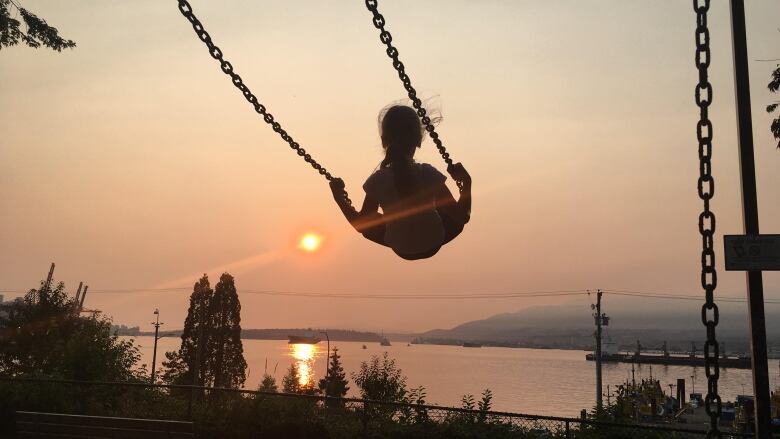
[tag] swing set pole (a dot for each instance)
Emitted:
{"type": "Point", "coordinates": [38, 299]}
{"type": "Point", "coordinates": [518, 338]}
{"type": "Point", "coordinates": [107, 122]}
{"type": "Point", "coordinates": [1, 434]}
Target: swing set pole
{"type": "Point", "coordinates": [747, 167]}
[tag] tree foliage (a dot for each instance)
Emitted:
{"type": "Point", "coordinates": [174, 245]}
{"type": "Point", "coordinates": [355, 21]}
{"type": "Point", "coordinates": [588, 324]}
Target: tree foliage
{"type": "Point", "coordinates": [180, 366]}
{"type": "Point", "coordinates": [381, 380]}
{"type": "Point", "coordinates": [773, 86]}
{"type": "Point", "coordinates": [268, 384]}
{"type": "Point", "coordinates": [35, 32]}
{"type": "Point", "coordinates": [335, 383]}
{"type": "Point", "coordinates": [43, 335]}
{"type": "Point", "coordinates": [291, 382]}
{"type": "Point", "coordinates": [229, 365]}
{"type": "Point", "coordinates": [213, 323]}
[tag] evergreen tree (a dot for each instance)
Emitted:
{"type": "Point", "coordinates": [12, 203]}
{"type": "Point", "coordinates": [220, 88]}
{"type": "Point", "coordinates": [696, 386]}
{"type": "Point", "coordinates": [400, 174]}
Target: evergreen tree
{"type": "Point", "coordinates": [226, 352]}
{"type": "Point", "coordinates": [335, 384]}
{"type": "Point", "coordinates": [268, 384]}
{"type": "Point", "coordinates": [291, 383]}
{"type": "Point", "coordinates": [180, 366]}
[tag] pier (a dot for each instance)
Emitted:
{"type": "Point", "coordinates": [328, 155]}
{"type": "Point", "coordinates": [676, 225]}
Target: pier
{"type": "Point", "coordinates": [664, 357]}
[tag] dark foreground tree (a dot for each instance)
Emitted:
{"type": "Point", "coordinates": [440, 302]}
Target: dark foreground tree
{"type": "Point", "coordinates": [180, 366]}
{"type": "Point", "coordinates": [35, 32]}
{"type": "Point", "coordinates": [335, 384]}
{"type": "Point", "coordinates": [268, 384]}
{"type": "Point", "coordinates": [43, 335]}
{"type": "Point", "coordinates": [381, 380]}
{"type": "Point", "coordinates": [291, 382]}
{"type": "Point", "coordinates": [226, 353]}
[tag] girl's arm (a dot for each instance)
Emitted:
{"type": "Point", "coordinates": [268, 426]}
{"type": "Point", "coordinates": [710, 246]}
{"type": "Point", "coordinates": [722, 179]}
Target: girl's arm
{"type": "Point", "coordinates": [459, 210]}
{"type": "Point", "coordinates": [369, 222]}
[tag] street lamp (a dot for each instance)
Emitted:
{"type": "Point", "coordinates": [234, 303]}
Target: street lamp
{"type": "Point", "coordinates": [157, 325]}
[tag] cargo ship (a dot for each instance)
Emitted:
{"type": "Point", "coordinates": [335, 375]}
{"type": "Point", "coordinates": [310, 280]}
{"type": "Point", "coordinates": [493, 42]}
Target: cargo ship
{"type": "Point", "coordinates": [306, 338]}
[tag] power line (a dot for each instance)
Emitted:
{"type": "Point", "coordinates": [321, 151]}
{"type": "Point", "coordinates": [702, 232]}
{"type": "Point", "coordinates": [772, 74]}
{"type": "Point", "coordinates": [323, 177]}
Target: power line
{"type": "Point", "coordinates": [423, 296]}
{"type": "Point", "coordinates": [673, 296]}
{"type": "Point", "coordinates": [426, 296]}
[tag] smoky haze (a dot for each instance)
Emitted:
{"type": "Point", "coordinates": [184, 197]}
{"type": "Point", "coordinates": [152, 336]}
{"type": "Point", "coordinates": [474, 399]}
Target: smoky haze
{"type": "Point", "coordinates": [132, 162]}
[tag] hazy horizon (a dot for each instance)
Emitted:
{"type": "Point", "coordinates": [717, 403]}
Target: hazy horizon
{"type": "Point", "coordinates": [132, 162]}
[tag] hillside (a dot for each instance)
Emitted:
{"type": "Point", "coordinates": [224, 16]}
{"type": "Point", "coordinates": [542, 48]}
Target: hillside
{"type": "Point", "coordinates": [572, 327]}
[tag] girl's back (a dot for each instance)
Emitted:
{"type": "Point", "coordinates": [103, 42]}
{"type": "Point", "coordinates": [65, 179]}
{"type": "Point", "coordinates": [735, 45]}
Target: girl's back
{"type": "Point", "coordinates": [414, 226]}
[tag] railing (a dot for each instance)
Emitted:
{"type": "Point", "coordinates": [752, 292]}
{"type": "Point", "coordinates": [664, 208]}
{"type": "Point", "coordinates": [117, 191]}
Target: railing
{"type": "Point", "coordinates": [220, 412]}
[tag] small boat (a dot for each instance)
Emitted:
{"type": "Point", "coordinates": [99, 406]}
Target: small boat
{"type": "Point", "coordinates": [384, 342]}
{"type": "Point", "coordinates": [306, 338]}
{"type": "Point", "coordinates": [471, 345]}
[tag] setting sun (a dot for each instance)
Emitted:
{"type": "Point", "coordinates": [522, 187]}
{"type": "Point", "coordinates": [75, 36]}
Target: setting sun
{"type": "Point", "coordinates": [310, 242]}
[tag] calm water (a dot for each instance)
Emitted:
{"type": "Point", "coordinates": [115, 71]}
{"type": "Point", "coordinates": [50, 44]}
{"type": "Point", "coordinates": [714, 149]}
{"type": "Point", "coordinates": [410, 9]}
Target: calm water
{"type": "Point", "coordinates": [537, 381]}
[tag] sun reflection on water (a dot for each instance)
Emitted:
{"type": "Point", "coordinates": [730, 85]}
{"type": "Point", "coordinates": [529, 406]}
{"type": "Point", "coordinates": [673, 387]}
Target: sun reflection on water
{"type": "Point", "coordinates": [304, 360]}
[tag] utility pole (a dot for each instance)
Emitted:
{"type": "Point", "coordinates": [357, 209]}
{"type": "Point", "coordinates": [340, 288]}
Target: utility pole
{"type": "Point", "coordinates": [196, 369]}
{"type": "Point", "coordinates": [327, 365]}
{"type": "Point", "coordinates": [747, 168]}
{"type": "Point", "coordinates": [599, 319]}
{"type": "Point", "coordinates": [157, 325]}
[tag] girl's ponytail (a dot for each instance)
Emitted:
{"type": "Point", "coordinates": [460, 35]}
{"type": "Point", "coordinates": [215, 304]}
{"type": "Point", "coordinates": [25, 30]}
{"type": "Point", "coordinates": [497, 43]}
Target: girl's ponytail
{"type": "Point", "coordinates": [401, 133]}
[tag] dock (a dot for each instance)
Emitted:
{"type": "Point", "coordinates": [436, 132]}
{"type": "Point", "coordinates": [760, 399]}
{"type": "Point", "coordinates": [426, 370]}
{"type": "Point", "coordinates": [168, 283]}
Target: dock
{"type": "Point", "coordinates": [672, 360]}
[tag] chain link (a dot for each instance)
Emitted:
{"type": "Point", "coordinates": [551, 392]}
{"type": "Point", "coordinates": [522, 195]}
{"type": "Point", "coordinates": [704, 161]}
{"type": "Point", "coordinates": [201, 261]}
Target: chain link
{"type": "Point", "coordinates": [392, 52]}
{"type": "Point", "coordinates": [706, 189]}
{"type": "Point", "coordinates": [227, 68]}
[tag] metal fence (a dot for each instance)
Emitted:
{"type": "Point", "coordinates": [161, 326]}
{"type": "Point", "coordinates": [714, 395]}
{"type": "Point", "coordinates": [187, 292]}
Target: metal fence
{"type": "Point", "coordinates": [219, 412]}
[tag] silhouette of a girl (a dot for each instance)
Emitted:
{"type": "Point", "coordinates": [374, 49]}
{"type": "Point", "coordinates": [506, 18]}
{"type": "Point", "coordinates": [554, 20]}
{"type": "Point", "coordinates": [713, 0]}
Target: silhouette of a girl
{"type": "Point", "coordinates": [419, 213]}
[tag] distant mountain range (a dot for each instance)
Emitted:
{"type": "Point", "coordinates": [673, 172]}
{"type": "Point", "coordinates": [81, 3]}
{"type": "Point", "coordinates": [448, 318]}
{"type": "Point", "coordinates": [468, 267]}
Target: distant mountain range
{"type": "Point", "coordinates": [570, 327]}
{"type": "Point", "coordinates": [563, 327]}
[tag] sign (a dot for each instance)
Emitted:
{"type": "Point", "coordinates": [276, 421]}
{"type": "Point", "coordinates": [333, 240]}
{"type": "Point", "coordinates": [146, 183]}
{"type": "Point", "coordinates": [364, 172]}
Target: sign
{"type": "Point", "coordinates": [752, 252]}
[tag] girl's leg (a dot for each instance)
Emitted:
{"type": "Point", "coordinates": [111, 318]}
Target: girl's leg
{"type": "Point", "coordinates": [451, 228]}
{"type": "Point", "coordinates": [376, 234]}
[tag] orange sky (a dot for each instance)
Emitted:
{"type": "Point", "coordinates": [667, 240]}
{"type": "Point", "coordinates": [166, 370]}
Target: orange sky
{"type": "Point", "coordinates": [132, 162]}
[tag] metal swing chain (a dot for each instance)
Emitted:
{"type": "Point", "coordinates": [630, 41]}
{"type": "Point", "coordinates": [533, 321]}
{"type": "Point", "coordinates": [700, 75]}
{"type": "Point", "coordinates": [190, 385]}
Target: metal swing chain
{"type": "Point", "coordinates": [706, 189]}
{"type": "Point", "coordinates": [227, 68]}
{"type": "Point", "coordinates": [392, 52]}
